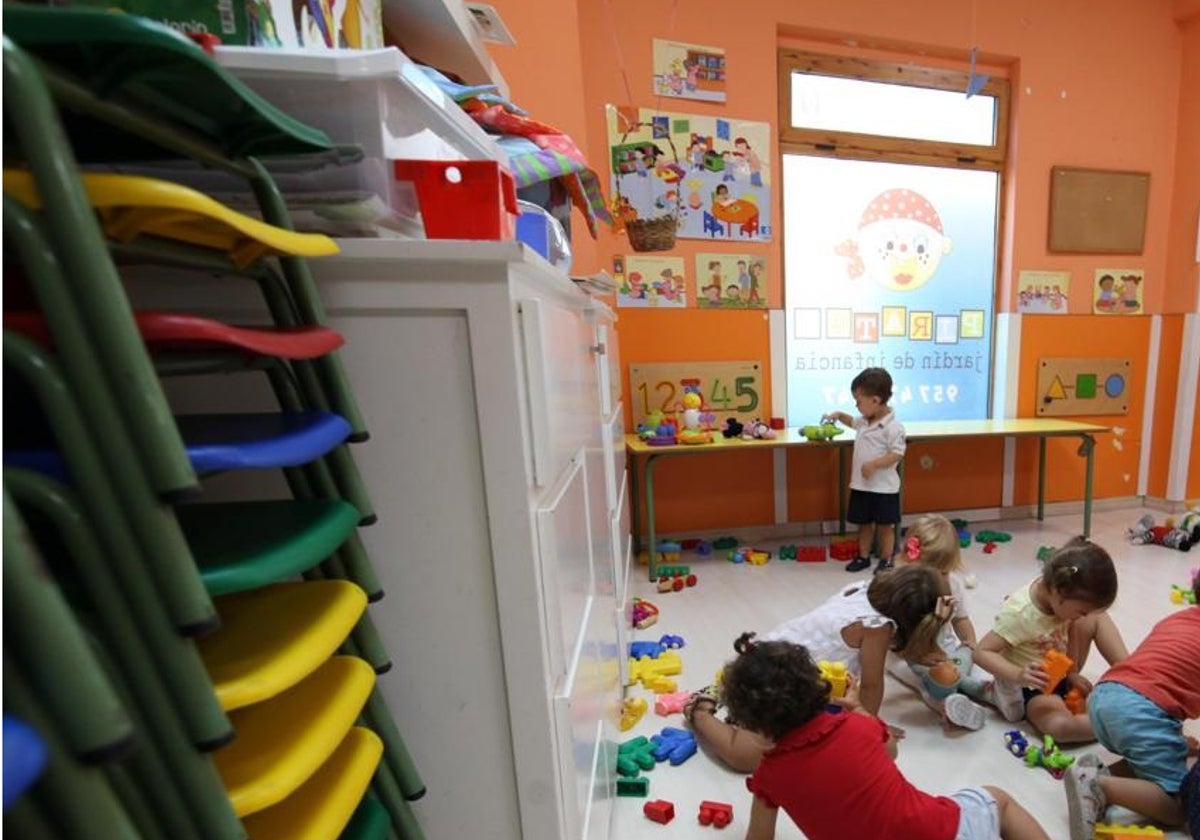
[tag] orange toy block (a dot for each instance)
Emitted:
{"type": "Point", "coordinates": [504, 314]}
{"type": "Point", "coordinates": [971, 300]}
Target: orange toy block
{"type": "Point", "coordinates": [1076, 702]}
{"type": "Point", "coordinates": [1057, 665]}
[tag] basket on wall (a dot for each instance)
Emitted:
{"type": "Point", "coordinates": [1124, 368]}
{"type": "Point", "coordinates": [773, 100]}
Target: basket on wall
{"type": "Point", "coordinates": [657, 233]}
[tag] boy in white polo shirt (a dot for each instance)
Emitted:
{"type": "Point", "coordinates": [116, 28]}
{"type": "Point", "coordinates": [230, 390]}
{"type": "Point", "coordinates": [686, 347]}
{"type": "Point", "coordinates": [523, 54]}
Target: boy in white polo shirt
{"type": "Point", "coordinates": [874, 480]}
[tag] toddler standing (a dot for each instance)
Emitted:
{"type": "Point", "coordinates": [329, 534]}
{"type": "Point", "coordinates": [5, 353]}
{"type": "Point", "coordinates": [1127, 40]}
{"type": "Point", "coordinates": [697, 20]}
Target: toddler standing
{"type": "Point", "coordinates": [1063, 610]}
{"type": "Point", "coordinates": [835, 774]}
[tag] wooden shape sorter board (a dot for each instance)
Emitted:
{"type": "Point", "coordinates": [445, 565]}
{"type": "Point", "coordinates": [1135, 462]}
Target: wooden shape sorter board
{"type": "Point", "coordinates": [1072, 386]}
{"type": "Point", "coordinates": [728, 389]}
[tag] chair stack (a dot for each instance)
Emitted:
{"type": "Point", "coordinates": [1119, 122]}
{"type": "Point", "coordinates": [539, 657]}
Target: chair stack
{"type": "Point", "coordinates": [203, 669]}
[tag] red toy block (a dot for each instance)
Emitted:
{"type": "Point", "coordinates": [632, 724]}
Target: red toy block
{"type": "Point", "coordinates": [846, 549]}
{"type": "Point", "coordinates": [989, 547]}
{"type": "Point", "coordinates": [716, 814]}
{"type": "Point", "coordinates": [659, 810]}
{"type": "Point", "coordinates": [810, 553]}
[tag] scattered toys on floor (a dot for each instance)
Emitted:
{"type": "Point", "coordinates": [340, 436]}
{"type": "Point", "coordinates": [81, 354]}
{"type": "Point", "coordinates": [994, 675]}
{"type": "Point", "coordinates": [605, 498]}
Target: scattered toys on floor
{"type": "Point", "coordinates": [749, 555]}
{"type": "Point", "coordinates": [1048, 755]}
{"type": "Point", "coordinates": [993, 537]}
{"type": "Point", "coordinates": [633, 787]}
{"type": "Point", "coordinates": [1182, 594]}
{"type": "Point", "coordinates": [964, 536]}
{"type": "Point", "coordinates": [671, 704]}
{"type": "Point", "coordinates": [1045, 552]}
{"type": "Point", "coordinates": [844, 549]}
{"type": "Point", "coordinates": [1145, 532]}
{"type": "Point", "coordinates": [635, 755]}
{"type": "Point", "coordinates": [835, 674]}
{"type": "Point", "coordinates": [653, 672]}
{"type": "Point", "coordinates": [674, 745]}
{"type": "Point", "coordinates": [716, 814]}
{"type": "Point", "coordinates": [632, 710]}
{"type": "Point", "coordinates": [722, 543]}
{"type": "Point", "coordinates": [675, 583]}
{"type": "Point", "coordinates": [1105, 831]}
{"type": "Point", "coordinates": [644, 614]}
{"type": "Point", "coordinates": [659, 810]}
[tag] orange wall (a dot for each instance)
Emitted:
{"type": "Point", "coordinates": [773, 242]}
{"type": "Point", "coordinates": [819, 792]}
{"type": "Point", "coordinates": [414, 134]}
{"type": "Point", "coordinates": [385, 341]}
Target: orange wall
{"type": "Point", "coordinates": [1096, 83]}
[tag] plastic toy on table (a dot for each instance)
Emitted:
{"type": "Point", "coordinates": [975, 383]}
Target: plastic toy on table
{"type": "Point", "coordinates": [822, 431]}
{"type": "Point", "coordinates": [694, 428]}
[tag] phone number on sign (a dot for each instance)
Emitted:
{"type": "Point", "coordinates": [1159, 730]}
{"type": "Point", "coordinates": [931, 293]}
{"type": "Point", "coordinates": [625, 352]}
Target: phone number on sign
{"type": "Point", "coordinates": [926, 394]}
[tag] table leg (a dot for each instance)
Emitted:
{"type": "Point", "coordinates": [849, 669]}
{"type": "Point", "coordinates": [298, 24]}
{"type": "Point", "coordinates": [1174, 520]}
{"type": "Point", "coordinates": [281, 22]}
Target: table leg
{"type": "Point", "coordinates": [652, 547]}
{"type": "Point", "coordinates": [1087, 448]}
{"type": "Point", "coordinates": [1041, 478]}
{"type": "Point", "coordinates": [841, 450]}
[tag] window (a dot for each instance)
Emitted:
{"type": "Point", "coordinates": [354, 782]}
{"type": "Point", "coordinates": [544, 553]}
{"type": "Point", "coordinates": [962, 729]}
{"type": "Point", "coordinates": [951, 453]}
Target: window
{"type": "Point", "coordinates": [891, 178]}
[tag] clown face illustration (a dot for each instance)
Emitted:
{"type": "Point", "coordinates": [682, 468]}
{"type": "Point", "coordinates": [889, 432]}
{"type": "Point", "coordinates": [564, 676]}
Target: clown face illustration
{"type": "Point", "coordinates": [900, 242]}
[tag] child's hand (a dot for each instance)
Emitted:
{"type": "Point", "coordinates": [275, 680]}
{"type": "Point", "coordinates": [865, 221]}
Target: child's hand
{"type": "Point", "coordinates": [1034, 677]}
{"type": "Point", "coordinates": [849, 701]}
{"type": "Point", "coordinates": [1193, 745]}
{"type": "Point", "coordinates": [1080, 682]}
{"type": "Point", "coordinates": [869, 469]}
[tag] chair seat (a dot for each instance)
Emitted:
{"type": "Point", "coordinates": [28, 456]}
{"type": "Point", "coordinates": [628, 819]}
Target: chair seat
{"type": "Point", "coordinates": [142, 63]}
{"type": "Point", "coordinates": [131, 206]}
{"type": "Point", "coordinates": [220, 442]}
{"type": "Point", "coordinates": [178, 331]}
{"type": "Point", "coordinates": [283, 741]}
{"type": "Point", "coordinates": [323, 806]}
{"type": "Point", "coordinates": [245, 545]}
{"type": "Point", "coordinates": [274, 637]}
{"type": "Point", "coordinates": [370, 821]}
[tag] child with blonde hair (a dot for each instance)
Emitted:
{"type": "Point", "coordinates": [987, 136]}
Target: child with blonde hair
{"type": "Point", "coordinates": [835, 774]}
{"type": "Point", "coordinates": [945, 680]}
{"type": "Point", "coordinates": [902, 609]}
{"type": "Point", "coordinates": [1065, 610]}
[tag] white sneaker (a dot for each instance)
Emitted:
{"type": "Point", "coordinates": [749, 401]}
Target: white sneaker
{"type": "Point", "coordinates": [962, 711]}
{"type": "Point", "coordinates": [1085, 800]}
{"type": "Point", "coordinates": [1006, 697]}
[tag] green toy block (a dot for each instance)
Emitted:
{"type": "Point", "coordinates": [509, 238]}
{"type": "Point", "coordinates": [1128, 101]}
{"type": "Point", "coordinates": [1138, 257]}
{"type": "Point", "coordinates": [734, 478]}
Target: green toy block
{"type": "Point", "coordinates": [1045, 552]}
{"type": "Point", "coordinates": [634, 755]}
{"type": "Point", "coordinates": [633, 787]}
{"type": "Point", "coordinates": [787, 552]}
{"type": "Point", "coordinates": [673, 571]}
{"type": "Point", "coordinates": [721, 543]}
{"type": "Point", "coordinates": [993, 536]}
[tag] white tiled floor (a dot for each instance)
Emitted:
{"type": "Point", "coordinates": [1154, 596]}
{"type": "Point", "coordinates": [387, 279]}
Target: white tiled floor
{"type": "Point", "coordinates": [730, 599]}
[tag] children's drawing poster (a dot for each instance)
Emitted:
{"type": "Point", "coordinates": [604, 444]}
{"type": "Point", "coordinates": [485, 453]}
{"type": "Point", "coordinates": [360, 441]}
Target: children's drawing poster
{"type": "Point", "coordinates": [1043, 292]}
{"type": "Point", "coordinates": [731, 281]}
{"type": "Point", "coordinates": [650, 282]}
{"type": "Point", "coordinates": [689, 71]}
{"type": "Point", "coordinates": [716, 171]}
{"type": "Point", "coordinates": [1118, 291]}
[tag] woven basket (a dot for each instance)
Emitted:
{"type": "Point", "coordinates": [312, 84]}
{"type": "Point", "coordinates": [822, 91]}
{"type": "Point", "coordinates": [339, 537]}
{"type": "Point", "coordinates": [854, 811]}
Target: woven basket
{"type": "Point", "coordinates": [658, 233]}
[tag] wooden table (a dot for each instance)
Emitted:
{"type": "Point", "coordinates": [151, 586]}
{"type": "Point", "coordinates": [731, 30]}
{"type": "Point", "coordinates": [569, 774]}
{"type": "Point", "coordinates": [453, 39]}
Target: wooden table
{"type": "Point", "coordinates": [917, 432]}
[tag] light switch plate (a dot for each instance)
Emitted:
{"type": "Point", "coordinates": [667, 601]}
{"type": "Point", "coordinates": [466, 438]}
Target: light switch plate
{"type": "Point", "coordinates": [491, 27]}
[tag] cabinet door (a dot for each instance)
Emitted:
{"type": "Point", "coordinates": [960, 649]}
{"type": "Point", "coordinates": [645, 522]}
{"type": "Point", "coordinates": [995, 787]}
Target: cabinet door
{"type": "Point", "coordinates": [565, 548]}
{"type": "Point", "coordinates": [563, 402]}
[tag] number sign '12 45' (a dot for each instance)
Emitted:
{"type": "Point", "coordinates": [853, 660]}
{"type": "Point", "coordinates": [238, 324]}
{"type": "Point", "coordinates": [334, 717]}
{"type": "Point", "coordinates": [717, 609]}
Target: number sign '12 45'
{"type": "Point", "coordinates": [727, 389]}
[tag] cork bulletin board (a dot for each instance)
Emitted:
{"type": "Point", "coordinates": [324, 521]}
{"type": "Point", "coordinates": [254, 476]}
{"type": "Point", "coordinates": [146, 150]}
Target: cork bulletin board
{"type": "Point", "coordinates": [1097, 211]}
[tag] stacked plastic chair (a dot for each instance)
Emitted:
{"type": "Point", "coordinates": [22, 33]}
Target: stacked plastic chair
{"type": "Point", "coordinates": [212, 619]}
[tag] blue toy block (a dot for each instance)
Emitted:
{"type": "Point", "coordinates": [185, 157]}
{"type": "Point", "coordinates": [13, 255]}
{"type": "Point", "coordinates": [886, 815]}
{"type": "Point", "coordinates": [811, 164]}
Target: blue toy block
{"type": "Point", "coordinates": [674, 745]}
{"type": "Point", "coordinates": [669, 545]}
{"type": "Point", "coordinates": [652, 649]}
{"type": "Point", "coordinates": [669, 641]}
{"type": "Point", "coordinates": [704, 548]}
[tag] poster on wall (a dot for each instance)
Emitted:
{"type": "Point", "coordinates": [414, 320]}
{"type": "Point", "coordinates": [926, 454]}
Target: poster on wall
{"type": "Point", "coordinates": [714, 172]}
{"type": "Point", "coordinates": [1118, 291]}
{"type": "Point", "coordinates": [689, 71]}
{"type": "Point", "coordinates": [731, 281]}
{"type": "Point", "coordinates": [650, 282]}
{"type": "Point", "coordinates": [888, 265]}
{"type": "Point", "coordinates": [1043, 292]}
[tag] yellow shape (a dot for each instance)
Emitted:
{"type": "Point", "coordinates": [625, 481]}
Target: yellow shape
{"type": "Point", "coordinates": [322, 806]}
{"type": "Point", "coordinates": [655, 669]}
{"type": "Point", "coordinates": [632, 711]}
{"type": "Point", "coordinates": [131, 206]}
{"type": "Point", "coordinates": [1104, 831]}
{"type": "Point", "coordinates": [835, 674]}
{"type": "Point", "coordinates": [281, 742]}
{"type": "Point", "coordinates": [1057, 390]}
{"type": "Point", "coordinates": [273, 637]}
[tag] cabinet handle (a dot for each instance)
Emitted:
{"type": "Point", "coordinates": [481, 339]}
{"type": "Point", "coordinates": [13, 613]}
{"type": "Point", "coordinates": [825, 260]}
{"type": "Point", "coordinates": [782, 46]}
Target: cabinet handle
{"type": "Point", "coordinates": [598, 349]}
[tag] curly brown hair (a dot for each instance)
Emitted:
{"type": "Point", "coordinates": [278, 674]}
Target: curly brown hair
{"type": "Point", "coordinates": [1082, 571]}
{"type": "Point", "coordinates": [773, 687]}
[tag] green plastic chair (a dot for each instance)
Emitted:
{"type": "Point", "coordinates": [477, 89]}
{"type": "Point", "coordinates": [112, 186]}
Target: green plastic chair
{"type": "Point", "coordinates": [181, 779]}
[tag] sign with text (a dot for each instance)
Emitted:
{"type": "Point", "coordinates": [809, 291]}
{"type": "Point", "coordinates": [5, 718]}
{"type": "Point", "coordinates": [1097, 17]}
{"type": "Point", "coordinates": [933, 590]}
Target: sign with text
{"type": "Point", "coordinates": [726, 389]}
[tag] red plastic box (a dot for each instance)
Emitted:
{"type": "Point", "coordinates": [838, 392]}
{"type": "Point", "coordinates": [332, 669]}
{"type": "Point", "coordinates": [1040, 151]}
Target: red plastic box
{"type": "Point", "coordinates": [462, 199]}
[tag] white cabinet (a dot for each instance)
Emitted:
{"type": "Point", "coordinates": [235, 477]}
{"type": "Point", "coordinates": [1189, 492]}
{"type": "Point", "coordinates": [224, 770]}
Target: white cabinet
{"type": "Point", "coordinates": [491, 465]}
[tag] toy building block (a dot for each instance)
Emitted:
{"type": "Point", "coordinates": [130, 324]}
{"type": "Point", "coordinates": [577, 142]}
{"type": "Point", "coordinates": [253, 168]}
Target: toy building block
{"type": "Point", "coordinates": [1049, 756]}
{"type": "Point", "coordinates": [653, 672]}
{"type": "Point", "coordinates": [670, 642]}
{"type": "Point", "coordinates": [989, 547]}
{"type": "Point", "coordinates": [639, 649]}
{"type": "Point", "coordinates": [643, 614]}
{"type": "Point", "coordinates": [1107, 831]}
{"type": "Point", "coordinates": [846, 549]}
{"type": "Point", "coordinates": [757, 558]}
{"type": "Point", "coordinates": [669, 545]}
{"type": "Point", "coordinates": [1045, 552]}
{"type": "Point", "coordinates": [674, 745]}
{"type": "Point", "coordinates": [632, 710]}
{"type": "Point", "coordinates": [633, 787]}
{"type": "Point", "coordinates": [1057, 665]}
{"type": "Point", "coordinates": [716, 814]}
{"type": "Point", "coordinates": [1015, 743]}
{"type": "Point", "coordinates": [835, 674]}
{"type": "Point", "coordinates": [704, 548]}
{"type": "Point", "coordinates": [993, 536]}
{"type": "Point", "coordinates": [671, 704]}
{"type": "Point", "coordinates": [1076, 701]}
{"type": "Point", "coordinates": [960, 528]}
{"type": "Point", "coordinates": [635, 755]}
{"type": "Point", "coordinates": [659, 810]}
{"type": "Point", "coordinates": [722, 543]}
{"type": "Point", "coordinates": [674, 571]}
{"type": "Point", "coordinates": [1182, 595]}
{"type": "Point", "coordinates": [811, 554]}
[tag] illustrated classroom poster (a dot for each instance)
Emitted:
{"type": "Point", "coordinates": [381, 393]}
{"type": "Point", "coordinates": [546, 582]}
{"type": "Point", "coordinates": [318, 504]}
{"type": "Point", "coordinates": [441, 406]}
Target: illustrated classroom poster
{"type": "Point", "coordinates": [650, 282]}
{"type": "Point", "coordinates": [731, 281]}
{"type": "Point", "coordinates": [1118, 291]}
{"type": "Point", "coordinates": [1043, 292]}
{"type": "Point", "coordinates": [689, 71]}
{"type": "Point", "coordinates": [714, 172]}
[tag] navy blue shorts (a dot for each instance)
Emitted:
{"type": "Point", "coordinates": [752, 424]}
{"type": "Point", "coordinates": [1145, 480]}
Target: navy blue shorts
{"type": "Point", "coordinates": [878, 508]}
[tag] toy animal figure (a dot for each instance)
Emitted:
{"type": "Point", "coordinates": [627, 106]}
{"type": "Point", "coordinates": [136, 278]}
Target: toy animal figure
{"type": "Point", "coordinates": [1145, 532]}
{"type": "Point", "coordinates": [824, 431]}
{"type": "Point", "coordinates": [758, 430]}
{"type": "Point", "coordinates": [732, 428]}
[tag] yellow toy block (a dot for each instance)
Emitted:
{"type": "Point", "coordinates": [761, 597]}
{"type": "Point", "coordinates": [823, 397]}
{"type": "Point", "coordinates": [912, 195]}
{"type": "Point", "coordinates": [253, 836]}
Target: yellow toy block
{"type": "Point", "coordinates": [631, 712]}
{"type": "Point", "coordinates": [835, 674]}
{"type": "Point", "coordinates": [758, 558]}
{"type": "Point", "coordinates": [1105, 831]}
{"type": "Point", "coordinates": [653, 671]}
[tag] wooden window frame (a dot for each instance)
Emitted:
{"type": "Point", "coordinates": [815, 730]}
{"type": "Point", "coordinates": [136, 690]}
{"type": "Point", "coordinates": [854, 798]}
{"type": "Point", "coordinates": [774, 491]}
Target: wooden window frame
{"type": "Point", "coordinates": [824, 142]}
